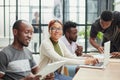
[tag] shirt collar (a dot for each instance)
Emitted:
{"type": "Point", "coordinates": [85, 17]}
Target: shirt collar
{"type": "Point", "coordinates": [66, 41]}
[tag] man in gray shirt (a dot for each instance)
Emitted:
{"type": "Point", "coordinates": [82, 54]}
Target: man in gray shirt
{"type": "Point", "coordinates": [16, 61]}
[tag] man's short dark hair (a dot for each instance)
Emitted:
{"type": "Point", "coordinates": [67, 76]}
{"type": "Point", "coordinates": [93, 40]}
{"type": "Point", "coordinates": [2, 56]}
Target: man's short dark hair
{"type": "Point", "coordinates": [16, 25]}
{"type": "Point", "coordinates": [106, 16]}
{"type": "Point", "coordinates": [68, 25]}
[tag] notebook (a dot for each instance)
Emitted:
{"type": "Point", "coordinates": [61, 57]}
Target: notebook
{"type": "Point", "coordinates": [52, 67]}
{"type": "Point", "coordinates": [105, 57]}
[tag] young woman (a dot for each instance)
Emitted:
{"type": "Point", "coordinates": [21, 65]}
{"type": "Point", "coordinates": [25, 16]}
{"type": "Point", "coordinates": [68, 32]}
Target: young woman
{"type": "Point", "coordinates": [52, 49]}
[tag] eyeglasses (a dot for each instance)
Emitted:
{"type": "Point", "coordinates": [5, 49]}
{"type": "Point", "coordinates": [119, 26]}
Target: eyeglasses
{"type": "Point", "coordinates": [55, 29]}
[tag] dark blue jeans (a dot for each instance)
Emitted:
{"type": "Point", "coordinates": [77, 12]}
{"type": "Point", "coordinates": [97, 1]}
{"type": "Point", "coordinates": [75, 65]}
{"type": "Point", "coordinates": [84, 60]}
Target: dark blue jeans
{"type": "Point", "coordinates": [62, 77]}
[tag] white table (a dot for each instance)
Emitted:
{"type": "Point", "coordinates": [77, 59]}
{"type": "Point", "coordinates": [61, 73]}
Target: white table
{"type": "Point", "coordinates": [112, 72]}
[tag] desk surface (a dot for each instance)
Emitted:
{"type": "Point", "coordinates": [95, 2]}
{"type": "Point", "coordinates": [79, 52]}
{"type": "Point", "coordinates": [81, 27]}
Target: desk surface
{"type": "Point", "coordinates": [112, 72]}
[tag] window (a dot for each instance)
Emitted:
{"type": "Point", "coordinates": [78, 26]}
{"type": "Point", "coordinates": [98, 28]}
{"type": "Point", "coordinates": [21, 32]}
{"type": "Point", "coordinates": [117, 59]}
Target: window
{"type": "Point", "coordinates": [83, 12]}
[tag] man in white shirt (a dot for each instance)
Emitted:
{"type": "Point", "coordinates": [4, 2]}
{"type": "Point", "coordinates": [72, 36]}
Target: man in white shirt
{"type": "Point", "coordinates": [73, 47]}
{"type": "Point", "coordinates": [70, 37]}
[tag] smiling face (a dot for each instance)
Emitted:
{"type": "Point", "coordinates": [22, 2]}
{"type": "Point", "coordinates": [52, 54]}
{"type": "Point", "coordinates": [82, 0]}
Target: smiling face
{"type": "Point", "coordinates": [55, 31]}
{"type": "Point", "coordinates": [23, 34]}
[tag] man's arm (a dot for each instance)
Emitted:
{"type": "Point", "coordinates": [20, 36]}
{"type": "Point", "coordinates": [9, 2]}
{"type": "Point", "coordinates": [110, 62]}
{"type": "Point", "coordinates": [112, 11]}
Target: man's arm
{"type": "Point", "coordinates": [3, 63]}
{"type": "Point", "coordinates": [115, 55]}
{"type": "Point", "coordinates": [32, 76]}
{"type": "Point", "coordinates": [34, 71]}
{"type": "Point", "coordinates": [94, 44]}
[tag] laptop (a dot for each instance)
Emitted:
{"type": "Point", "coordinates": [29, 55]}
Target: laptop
{"type": "Point", "coordinates": [105, 58]}
{"type": "Point", "coordinates": [52, 67]}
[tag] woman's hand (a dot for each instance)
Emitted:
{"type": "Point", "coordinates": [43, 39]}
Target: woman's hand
{"type": "Point", "coordinates": [91, 61]}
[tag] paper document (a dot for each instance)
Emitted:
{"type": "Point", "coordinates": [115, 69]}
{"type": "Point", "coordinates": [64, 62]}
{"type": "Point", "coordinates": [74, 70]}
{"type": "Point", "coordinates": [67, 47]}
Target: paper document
{"type": "Point", "coordinates": [52, 67]}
